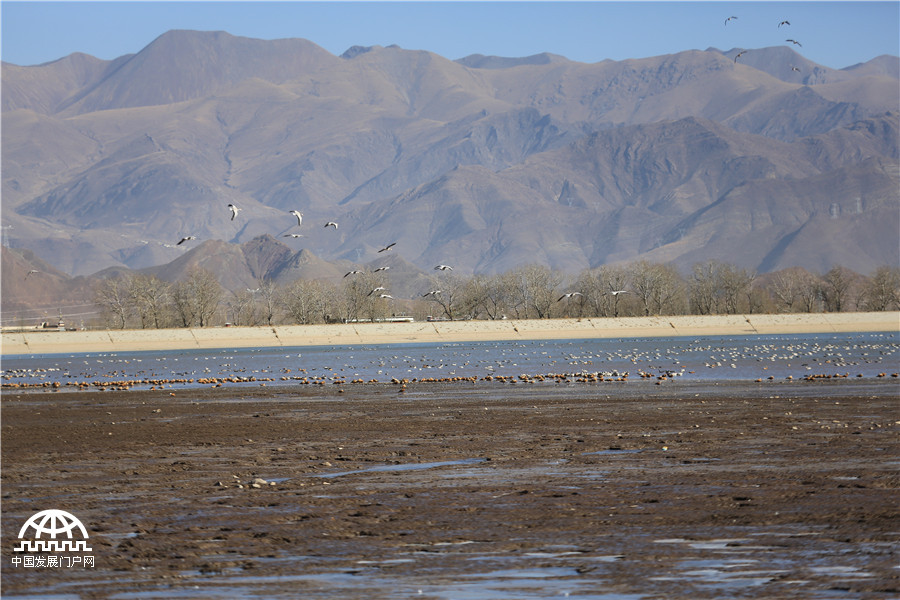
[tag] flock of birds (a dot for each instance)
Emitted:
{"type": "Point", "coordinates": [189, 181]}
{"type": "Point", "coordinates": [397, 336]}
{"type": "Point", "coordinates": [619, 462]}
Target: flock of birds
{"type": "Point", "coordinates": [333, 224]}
{"type": "Point", "coordinates": [789, 359]}
{"type": "Point", "coordinates": [780, 24]}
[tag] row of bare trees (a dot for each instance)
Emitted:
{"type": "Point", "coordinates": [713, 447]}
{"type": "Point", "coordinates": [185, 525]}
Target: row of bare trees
{"type": "Point", "coordinates": [530, 291]}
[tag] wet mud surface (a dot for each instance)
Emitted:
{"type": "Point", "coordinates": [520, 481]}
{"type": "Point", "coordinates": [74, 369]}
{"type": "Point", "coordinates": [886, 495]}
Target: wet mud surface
{"type": "Point", "coordinates": [488, 491]}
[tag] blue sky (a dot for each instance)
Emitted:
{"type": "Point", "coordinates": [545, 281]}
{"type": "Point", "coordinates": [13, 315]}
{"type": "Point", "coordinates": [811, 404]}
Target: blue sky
{"type": "Point", "coordinates": [834, 34]}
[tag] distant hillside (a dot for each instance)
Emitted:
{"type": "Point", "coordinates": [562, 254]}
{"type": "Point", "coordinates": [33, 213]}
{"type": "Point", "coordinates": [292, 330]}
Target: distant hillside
{"type": "Point", "coordinates": [769, 161]}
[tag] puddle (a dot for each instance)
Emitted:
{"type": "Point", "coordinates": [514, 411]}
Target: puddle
{"type": "Point", "coordinates": [404, 467]}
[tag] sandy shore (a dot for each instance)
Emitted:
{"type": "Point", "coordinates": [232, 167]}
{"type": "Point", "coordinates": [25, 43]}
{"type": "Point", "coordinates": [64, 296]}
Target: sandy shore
{"type": "Point", "coordinates": [52, 342]}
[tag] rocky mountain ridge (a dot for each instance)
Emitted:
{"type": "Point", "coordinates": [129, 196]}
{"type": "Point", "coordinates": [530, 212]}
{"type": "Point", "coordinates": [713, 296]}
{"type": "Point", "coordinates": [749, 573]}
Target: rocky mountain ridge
{"type": "Point", "coordinates": [767, 161]}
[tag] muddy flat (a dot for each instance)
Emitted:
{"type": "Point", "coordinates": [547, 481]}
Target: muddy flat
{"type": "Point", "coordinates": [457, 490]}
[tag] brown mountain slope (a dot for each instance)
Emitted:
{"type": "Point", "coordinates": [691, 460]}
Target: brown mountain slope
{"type": "Point", "coordinates": [486, 163]}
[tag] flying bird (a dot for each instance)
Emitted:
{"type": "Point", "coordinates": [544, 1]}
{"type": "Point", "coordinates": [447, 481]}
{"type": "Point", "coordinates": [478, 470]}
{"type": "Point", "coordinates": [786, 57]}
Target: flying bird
{"type": "Point", "coordinates": [385, 296]}
{"type": "Point", "coordinates": [728, 19]}
{"type": "Point", "coordinates": [431, 293]}
{"type": "Point", "coordinates": [299, 216]}
{"type": "Point", "coordinates": [234, 211]}
{"type": "Point", "coordinates": [184, 239]}
{"type": "Point", "coordinates": [739, 54]}
{"type": "Point", "coordinates": [31, 272]}
{"type": "Point", "coordinates": [443, 268]}
{"type": "Point", "coordinates": [378, 289]}
{"type": "Point", "coordinates": [293, 235]}
{"type": "Point", "coordinates": [784, 23]}
{"type": "Point", "coordinates": [331, 224]}
{"type": "Point", "coordinates": [617, 292]}
{"type": "Point", "coordinates": [353, 273]}
{"type": "Point", "coordinates": [569, 295]}
{"type": "Point", "coordinates": [381, 269]}
{"type": "Point", "coordinates": [388, 247]}
{"type": "Point", "coordinates": [795, 69]}
{"type": "Point", "coordinates": [794, 42]}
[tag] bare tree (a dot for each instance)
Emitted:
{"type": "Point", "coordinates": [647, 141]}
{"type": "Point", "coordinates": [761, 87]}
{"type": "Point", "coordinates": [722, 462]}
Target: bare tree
{"type": "Point", "coordinates": [450, 293]}
{"type": "Point", "coordinates": [809, 292]}
{"type": "Point", "coordinates": [491, 294]}
{"type": "Point", "coordinates": [305, 301]}
{"type": "Point", "coordinates": [151, 297]}
{"type": "Point", "coordinates": [362, 296]}
{"type": "Point", "coordinates": [704, 292]}
{"type": "Point", "coordinates": [535, 290]}
{"type": "Point", "coordinates": [657, 286]}
{"type": "Point", "coordinates": [785, 289]}
{"type": "Point", "coordinates": [736, 285]}
{"type": "Point", "coordinates": [197, 297]}
{"type": "Point", "coordinates": [113, 296]}
{"type": "Point", "coordinates": [268, 300]}
{"type": "Point", "coordinates": [835, 287]}
{"type": "Point", "coordinates": [883, 289]}
{"type": "Point", "coordinates": [241, 307]}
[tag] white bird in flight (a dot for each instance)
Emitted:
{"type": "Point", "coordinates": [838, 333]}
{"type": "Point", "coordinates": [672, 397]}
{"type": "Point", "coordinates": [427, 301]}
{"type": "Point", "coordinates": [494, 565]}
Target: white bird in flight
{"type": "Point", "coordinates": [385, 296]}
{"type": "Point", "coordinates": [299, 216]}
{"type": "Point", "coordinates": [31, 272]}
{"type": "Point", "coordinates": [331, 224]}
{"type": "Point", "coordinates": [443, 268]}
{"type": "Point", "coordinates": [378, 289]}
{"type": "Point", "coordinates": [569, 295]}
{"type": "Point", "coordinates": [184, 239]}
{"type": "Point", "coordinates": [431, 293]}
{"type": "Point", "coordinates": [388, 247]}
{"type": "Point", "coordinates": [234, 211]}
{"type": "Point", "coordinates": [293, 235]}
{"type": "Point", "coordinates": [617, 292]}
{"type": "Point", "coordinates": [354, 272]}
{"type": "Point", "coordinates": [381, 269]}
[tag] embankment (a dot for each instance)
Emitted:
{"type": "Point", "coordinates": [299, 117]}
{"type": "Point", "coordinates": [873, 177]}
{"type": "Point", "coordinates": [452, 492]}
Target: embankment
{"type": "Point", "coordinates": [117, 340]}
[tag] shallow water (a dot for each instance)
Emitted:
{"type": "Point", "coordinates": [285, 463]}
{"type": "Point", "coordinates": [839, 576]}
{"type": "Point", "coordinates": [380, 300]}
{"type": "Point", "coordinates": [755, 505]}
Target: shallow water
{"type": "Point", "coordinates": [702, 359]}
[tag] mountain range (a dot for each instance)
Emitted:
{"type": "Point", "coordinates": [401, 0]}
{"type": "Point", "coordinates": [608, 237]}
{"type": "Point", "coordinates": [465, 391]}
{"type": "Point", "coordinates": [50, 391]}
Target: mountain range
{"type": "Point", "coordinates": [765, 160]}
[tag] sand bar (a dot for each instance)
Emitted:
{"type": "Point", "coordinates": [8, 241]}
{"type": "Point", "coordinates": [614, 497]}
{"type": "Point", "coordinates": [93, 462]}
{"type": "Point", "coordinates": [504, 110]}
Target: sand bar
{"type": "Point", "coordinates": [118, 340]}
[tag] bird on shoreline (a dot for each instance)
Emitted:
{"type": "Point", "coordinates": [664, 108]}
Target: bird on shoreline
{"type": "Point", "coordinates": [299, 216]}
{"type": "Point", "coordinates": [184, 239]}
{"type": "Point", "coordinates": [234, 211]}
{"type": "Point", "coordinates": [388, 247]}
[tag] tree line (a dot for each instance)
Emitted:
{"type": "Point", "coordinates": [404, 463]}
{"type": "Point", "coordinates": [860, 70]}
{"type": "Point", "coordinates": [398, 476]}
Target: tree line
{"type": "Point", "coordinates": [527, 292]}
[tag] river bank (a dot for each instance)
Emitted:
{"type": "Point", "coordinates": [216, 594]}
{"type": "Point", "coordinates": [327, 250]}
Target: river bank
{"type": "Point", "coordinates": [119, 340]}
